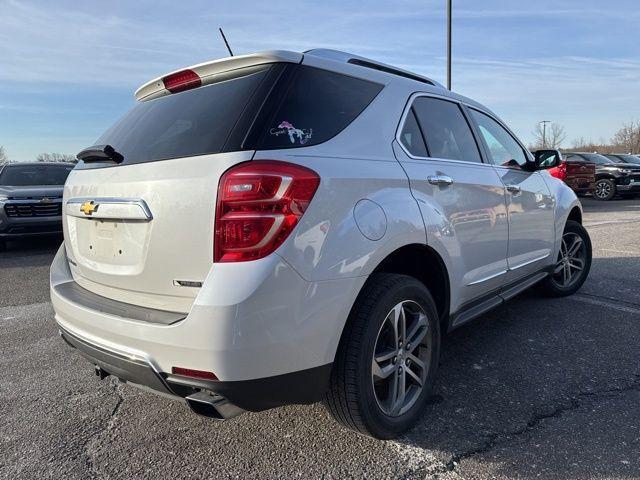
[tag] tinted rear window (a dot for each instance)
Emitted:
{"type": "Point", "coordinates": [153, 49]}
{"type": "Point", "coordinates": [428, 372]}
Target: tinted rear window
{"type": "Point", "coordinates": [316, 105]}
{"type": "Point", "coordinates": [194, 122]}
{"type": "Point", "coordinates": [26, 175]}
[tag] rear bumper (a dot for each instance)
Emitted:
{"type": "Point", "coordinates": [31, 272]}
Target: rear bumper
{"type": "Point", "coordinates": [578, 186]}
{"type": "Point", "coordinates": [305, 386]}
{"type": "Point", "coordinates": [271, 344]}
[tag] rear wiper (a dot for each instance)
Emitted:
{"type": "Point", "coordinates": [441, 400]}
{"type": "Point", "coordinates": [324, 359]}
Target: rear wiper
{"type": "Point", "coordinates": [100, 153]}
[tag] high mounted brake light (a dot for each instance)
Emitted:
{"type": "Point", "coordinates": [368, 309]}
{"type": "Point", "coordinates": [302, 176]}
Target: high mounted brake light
{"type": "Point", "coordinates": [181, 81]}
{"type": "Point", "coordinates": [259, 204]}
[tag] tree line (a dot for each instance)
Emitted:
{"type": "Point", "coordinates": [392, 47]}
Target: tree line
{"type": "Point", "coordinates": [625, 140]}
{"type": "Point", "coordinates": [43, 157]}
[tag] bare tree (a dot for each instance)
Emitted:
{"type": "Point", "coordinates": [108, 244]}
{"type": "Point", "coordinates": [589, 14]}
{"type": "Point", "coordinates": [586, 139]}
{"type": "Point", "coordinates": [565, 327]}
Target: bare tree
{"type": "Point", "coordinates": [55, 157]}
{"type": "Point", "coordinates": [627, 139]}
{"type": "Point", "coordinates": [3, 155]}
{"type": "Point", "coordinates": [551, 136]}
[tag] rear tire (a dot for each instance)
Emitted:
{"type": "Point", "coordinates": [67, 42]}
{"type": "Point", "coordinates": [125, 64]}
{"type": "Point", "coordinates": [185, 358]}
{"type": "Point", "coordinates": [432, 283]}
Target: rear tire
{"type": "Point", "coordinates": [605, 189]}
{"type": "Point", "coordinates": [374, 363]}
{"type": "Point", "coordinates": [572, 264]}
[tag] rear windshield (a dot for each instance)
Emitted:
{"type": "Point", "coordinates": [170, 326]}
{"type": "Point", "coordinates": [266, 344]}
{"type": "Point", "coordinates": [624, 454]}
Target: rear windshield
{"type": "Point", "coordinates": [194, 122]}
{"type": "Point", "coordinates": [27, 175]}
{"type": "Point", "coordinates": [266, 107]}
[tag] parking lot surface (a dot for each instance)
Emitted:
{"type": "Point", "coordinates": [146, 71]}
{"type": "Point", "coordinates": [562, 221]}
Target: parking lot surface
{"type": "Point", "coordinates": [538, 388]}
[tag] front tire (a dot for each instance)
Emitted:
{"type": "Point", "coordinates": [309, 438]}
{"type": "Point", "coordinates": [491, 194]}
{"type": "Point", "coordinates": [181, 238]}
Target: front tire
{"type": "Point", "coordinates": [605, 189]}
{"type": "Point", "coordinates": [573, 262]}
{"type": "Point", "coordinates": [387, 359]}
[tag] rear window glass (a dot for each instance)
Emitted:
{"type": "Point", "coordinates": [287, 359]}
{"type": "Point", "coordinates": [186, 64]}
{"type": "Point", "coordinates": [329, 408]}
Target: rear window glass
{"type": "Point", "coordinates": [25, 175]}
{"type": "Point", "coordinates": [194, 122]}
{"type": "Point", "coordinates": [316, 106]}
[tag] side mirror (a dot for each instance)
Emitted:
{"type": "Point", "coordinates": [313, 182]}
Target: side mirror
{"type": "Point", "coordinates": [545, 159]}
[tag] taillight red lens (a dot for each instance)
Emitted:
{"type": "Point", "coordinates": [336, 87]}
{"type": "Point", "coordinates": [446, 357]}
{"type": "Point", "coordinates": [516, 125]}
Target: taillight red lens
{"type": "Point", "coordinates": [181, 81]}
{"type": "Point", "coordinates": [189, 372]}
{"type": "Point", "coordinates": [259, 204]}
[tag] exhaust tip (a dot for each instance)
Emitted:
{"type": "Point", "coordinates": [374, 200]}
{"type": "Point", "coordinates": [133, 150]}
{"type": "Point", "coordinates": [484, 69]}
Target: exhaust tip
{"type": "Point", "coordinates": [214, 406]}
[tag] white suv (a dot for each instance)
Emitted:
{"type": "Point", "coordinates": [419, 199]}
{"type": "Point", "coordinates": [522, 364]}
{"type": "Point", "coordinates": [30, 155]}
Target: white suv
{"type": "Point", "coordinates": [285, 228]}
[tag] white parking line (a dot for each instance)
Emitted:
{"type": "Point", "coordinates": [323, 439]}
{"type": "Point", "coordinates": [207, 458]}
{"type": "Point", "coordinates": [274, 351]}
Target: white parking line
{"type": "Point", "coordinates": [605, 303]}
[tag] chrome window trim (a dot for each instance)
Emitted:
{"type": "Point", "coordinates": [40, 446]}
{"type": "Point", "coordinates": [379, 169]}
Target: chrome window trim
{"type": "Point", "coordinates": [403, 119]}
{"type": "Point", "coordinates": [461, 104]}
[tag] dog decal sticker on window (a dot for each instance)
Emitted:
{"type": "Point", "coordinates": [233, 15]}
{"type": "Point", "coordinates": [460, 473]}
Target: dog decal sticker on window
{"type": "Point", "coordinates": [298, 135]}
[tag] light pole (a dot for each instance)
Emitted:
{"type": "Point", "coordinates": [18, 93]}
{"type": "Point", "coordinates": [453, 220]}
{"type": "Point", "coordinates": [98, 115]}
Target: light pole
{"type": "Point", "coordinates": [544, 132]}
{"type": "Point", "coordinates": [449, 44]}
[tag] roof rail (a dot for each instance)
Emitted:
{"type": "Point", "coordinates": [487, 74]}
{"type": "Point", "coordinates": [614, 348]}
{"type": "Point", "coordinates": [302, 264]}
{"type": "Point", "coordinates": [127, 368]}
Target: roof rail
{"type": "Point", "coordinates": [367, 63]}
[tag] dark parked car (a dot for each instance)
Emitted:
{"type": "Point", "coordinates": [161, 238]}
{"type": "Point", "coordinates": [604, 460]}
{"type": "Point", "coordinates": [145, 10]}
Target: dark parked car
{"type": "Point", "coordinates": [611, 177]}
{"type": "Point", "coordinates": [624, 158]}
{"type": "Point", "coordinates": [31, 199]}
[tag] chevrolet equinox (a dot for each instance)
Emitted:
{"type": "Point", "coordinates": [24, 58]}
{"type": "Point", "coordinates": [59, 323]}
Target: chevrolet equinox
{"type": "Point", "coordinates": [285, 228]}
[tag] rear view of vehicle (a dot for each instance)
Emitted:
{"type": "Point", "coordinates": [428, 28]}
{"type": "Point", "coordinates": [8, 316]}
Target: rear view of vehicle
{"type": "Point", "coordinates": [286, 228]}
{"type": "Point", "coordinates": [167, 277]}
{"type": "Point", "coordinates": [31, 199]}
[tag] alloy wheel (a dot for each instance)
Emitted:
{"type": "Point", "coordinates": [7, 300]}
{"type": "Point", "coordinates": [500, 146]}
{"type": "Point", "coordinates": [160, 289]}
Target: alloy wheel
{"type": "Point", "coordinates": [401, 358]}
{"type": "Point", "coordinates": [571, 260]}
{"type": "Point", "coordinates": [603, 189]}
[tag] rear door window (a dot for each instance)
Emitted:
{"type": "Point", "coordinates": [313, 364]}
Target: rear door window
{"type": "Point", "coordinates": [314, 107]}
{"type": "Point", "coordinates": [446, 131]}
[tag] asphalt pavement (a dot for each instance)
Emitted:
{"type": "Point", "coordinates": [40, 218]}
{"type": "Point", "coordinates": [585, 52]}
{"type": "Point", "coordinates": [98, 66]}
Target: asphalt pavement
{"type": "Point", "coordinates": [538, 388]}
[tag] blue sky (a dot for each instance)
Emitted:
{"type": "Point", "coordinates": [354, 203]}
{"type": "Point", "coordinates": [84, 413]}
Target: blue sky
{"type": "Point", "coordinates": [68, 69]}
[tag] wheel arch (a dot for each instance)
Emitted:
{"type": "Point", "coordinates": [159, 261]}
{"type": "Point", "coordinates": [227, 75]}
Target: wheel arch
{"type": "Point", "coordinates": [424, 264]}
{"type": "Point", "coordinates": [575, 214]}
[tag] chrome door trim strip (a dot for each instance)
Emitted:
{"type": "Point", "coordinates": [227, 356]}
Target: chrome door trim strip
{"type": "Point", "coordinates": [494, 275]}
{"type": "Point", "coordinates": [529, 262]}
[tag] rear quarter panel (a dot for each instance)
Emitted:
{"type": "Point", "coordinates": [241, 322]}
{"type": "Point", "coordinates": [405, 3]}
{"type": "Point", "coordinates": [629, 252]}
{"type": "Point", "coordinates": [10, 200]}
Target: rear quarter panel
{"type": "Point", "coordinates": [357, 164]}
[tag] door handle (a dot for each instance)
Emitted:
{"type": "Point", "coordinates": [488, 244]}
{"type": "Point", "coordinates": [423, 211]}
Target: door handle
{"type": "Point", "coordinates": [440, 180]}
{"type": "Point", "coordinates": [514, 188]}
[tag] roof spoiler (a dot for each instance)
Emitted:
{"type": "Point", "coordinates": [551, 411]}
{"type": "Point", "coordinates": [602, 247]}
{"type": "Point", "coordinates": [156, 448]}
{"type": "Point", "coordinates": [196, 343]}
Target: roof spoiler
{"type": "Point", "coordinates": [206, 71]}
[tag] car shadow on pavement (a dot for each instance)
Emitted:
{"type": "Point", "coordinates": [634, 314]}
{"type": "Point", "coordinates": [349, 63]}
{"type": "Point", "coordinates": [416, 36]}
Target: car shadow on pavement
{"type": "Point", "coordinates": [518, 387]}
{"type": "Point", "coordinates": [31, 251]}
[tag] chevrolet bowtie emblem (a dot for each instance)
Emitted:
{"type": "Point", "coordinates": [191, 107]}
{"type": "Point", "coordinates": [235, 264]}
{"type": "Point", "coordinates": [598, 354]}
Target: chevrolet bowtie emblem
{"type": "Point", "coordinates": [88, 208]}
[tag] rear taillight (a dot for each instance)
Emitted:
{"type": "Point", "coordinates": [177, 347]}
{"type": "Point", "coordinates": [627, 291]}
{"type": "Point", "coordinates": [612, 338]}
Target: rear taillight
{"type": "Point", "coordinates": [259, 204]}
{"type": "Point", "coordinates": [181, 81]}
{"type": "Point", "coordinates": [560, 171]}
